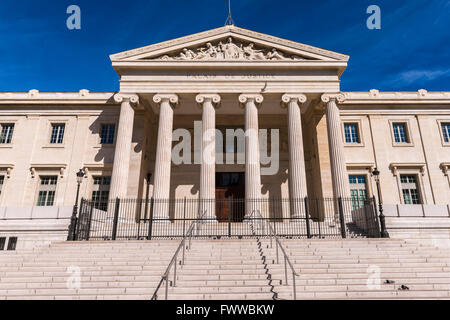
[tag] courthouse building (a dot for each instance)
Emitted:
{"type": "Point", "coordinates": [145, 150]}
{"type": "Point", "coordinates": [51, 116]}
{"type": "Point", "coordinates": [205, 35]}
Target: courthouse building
{"type": "Point", "coordinates": [229, 78]}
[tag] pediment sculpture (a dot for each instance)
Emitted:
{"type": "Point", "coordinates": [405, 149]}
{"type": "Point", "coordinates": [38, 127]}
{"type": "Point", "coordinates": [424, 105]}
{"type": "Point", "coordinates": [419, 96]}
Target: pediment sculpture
{"type": "Point", "coordinates": [230, 51]}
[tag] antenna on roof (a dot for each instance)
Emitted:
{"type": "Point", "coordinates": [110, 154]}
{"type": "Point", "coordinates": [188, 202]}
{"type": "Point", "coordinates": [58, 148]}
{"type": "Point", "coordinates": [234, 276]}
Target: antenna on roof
{"type": "Point", "coordinates": [230, 21]}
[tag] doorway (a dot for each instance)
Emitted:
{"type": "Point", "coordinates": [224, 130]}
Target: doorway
{"type": "Point", "coordinates": [230, 196]}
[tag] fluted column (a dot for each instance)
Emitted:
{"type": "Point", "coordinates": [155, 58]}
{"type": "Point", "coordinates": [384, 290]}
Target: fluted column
{"type": "Point", "coordinates": [122, 154]}
{"type": "Point", "coordinates": [339, 173]}
{"type": "Point", "coordinates": [297, 173]}
{"type": "Point", "coordinates": [163, 164]}
{"type": "Point", "coordinates": [251, 102]}
{"type": "Point", "coordinates": [208, 102]}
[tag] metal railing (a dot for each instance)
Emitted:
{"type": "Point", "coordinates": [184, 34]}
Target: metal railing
{"type": "Point", "coordinates": [149, 219]}
{"type": "Point", "coordinates": [287, 261]}
{"type": "Point", "coordinates": [173, 263]}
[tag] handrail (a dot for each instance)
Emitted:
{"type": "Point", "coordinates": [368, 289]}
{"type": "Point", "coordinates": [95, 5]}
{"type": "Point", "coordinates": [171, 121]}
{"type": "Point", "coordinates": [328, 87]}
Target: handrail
{"type": "Point", "coordinates": [287, 261]}
{"type": "Point", "coordinates": [173, 262]}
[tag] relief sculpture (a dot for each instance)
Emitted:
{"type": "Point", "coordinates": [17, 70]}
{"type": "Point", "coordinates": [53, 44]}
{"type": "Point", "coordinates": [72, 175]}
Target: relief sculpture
{"type": "Point", "coordinates": [230, 51]}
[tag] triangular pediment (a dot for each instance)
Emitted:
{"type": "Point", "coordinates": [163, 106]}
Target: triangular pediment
{"type": "Point", "coordinates": [229, 43]}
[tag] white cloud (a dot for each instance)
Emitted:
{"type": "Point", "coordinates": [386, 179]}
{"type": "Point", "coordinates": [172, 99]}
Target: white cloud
{"type": "Point", "coordinates": [412, 76]}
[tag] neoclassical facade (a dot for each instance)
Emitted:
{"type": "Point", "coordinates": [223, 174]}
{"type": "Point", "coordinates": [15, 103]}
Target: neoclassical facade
{"type": "Point", "coordinates": [227, 78]}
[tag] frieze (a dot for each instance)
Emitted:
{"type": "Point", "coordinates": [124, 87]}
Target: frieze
{"type": "Point", "coordinates": [250, 76]}
{"type": "Point", "coordinates": [229, 50]}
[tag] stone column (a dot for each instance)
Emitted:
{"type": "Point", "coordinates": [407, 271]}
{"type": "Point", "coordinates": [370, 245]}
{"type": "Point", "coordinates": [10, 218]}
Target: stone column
{"type": "Point", "coordinates": [122, 154]}
{"type": "Point", "coordinates": [297, 173]}
{"type": "Point", "coordinates": [341, 187]}
{"type": "Point", "coordinates": [161, 193]}
{"type": "Point", "coordinates": [251, 103]}
{"type": "Point", "coordinates": [207, 208]}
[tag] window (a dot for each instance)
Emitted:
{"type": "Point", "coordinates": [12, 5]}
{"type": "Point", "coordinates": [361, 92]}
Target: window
{"type": "Point", "coordinates": [358, 191]}
{"type": "Point", "coordinates": [57, 136]}
{"type": "Point", "coordinates": [100, 192]}
{"type": "Point", "coordinates": [2, 181]}
{"type": "Point", "coordinates": [47, 191]}
{"type": "Point", "coordinates": [446, 131]}
{"type": "Point", "coordinates": [351, 133]}
{"type": "Point", "coordinates": [400, 133]}
{"type": "Point", "coordinates": [6, 133]}
{"type": "Point", "coordinates": [12, 244]}
{"type": "Point", "coordinates": [107, 133]}
{"type": "Point", "coordinates": [409, 189]}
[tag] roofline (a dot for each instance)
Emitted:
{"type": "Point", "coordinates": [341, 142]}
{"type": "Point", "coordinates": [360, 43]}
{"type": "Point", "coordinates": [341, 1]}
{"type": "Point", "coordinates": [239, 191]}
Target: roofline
{"type": "Point", "coordinates": [36, 97]}
{"type": "Point", "coordinates": [374, 96]}
{"type": "Point", "coordinates": [228, 29]}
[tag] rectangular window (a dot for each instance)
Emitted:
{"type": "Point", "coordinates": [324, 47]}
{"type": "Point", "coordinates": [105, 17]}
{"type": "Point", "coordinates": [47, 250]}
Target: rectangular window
{"type": "Point", "coordinates": [446, 131]}
{"type": "Point", "coordinates": [100, 192]}
{"type": "Point", "coordinates": [351, 133]}
{"type": "Point", "coordinates": [6, 133]}
{"type": "Point", "coordinates": [107, 134]}
{"type": "Point", "coordinates": [47, 191]}
{"type": "Point", "coordinates": [358, 191]}
{"type": "Point", "coordinates": [2, 243]}
{"type": "Point", "coordinates": [400, 134]}
{"type": "Point", "coordinates": [410, 189]}
{"type": "Point", "coordinates": [12, 243]}
{"type": "Point", "coordinates": [57, 136]}
{"type": "Point", "coordinates": [2, 181]}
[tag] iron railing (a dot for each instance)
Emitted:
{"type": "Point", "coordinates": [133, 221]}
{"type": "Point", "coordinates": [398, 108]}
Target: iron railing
{"type": "Point", "coordinates": [140, 219]}
{"type": "Point", "coordinates": [287, 262]}
{"type": "Point", "coordinates": [174, 261]}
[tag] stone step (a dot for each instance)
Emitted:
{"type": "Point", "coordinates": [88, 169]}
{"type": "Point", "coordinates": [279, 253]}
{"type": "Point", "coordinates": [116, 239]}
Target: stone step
{"type": "Point", "coordinates": [219, 289]}
{"type": "Point", "coordinates": [361, 288]}
{"type": "Point", "coordinates": [220, 296]}
{"type": "Point", "coordinates": [372, 295]}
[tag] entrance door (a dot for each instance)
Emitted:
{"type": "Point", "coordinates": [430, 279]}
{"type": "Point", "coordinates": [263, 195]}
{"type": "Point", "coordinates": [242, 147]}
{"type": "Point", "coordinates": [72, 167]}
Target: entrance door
{"type": "Point", "coordinates": [230, 195]}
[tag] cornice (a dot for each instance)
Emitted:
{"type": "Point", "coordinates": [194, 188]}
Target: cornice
{"type": "Point", "coordinates": [394, 166]}
{"type": "Point", "coordinates": [36, 97]}
{"type": "Point", "coordinates": [401, 97]}
{"type": "Point", "coordinates": [361, 165]}
{"type": "Point", "coordinates": [61, 167]}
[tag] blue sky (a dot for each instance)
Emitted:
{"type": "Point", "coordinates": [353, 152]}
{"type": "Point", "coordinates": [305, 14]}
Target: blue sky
{"type": "Point", "coordinates": [37, 51]}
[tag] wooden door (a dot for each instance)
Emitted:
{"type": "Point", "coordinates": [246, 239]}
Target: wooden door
{"type": "Point", "coordinates": [230, 195]}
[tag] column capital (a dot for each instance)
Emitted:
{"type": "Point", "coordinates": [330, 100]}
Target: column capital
{"type": "Point", "coordinates": [127, 97]}
{"type": "Point", "coordinates": [327, 97]}
{"type": "Point", "coordinates": [215, 99]}
{"type": "Point", "coordinates": [170, 97]}
{"type": "Point", "coordinates": [288, 97]}
{"type": "Point", "coordinates": [249, 97]}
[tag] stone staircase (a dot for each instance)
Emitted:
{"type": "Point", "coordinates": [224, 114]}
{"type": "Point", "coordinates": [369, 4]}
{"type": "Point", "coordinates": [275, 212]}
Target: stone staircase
{"type": "Point", "coordinates": [108, 270]}
{"type": "Point", "coordinates": [359, 268]}
{"type": "Point", "coordinates": [228, 269]}
{"type": "Point", "coordinates": [222, 270]}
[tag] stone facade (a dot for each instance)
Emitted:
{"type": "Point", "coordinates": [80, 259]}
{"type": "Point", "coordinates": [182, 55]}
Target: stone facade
{"type": "Point", "coordinates": [281, 85]}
